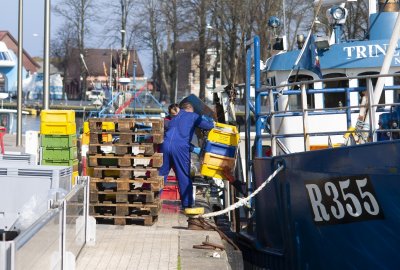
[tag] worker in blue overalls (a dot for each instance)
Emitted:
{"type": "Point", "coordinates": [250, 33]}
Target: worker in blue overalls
{"type": "Point", "coordinates": [176, 149]}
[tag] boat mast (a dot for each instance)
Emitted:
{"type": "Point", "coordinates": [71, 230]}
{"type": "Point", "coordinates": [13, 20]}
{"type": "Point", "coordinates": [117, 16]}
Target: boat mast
{"type": "Point", "coordinates": [386, 62]}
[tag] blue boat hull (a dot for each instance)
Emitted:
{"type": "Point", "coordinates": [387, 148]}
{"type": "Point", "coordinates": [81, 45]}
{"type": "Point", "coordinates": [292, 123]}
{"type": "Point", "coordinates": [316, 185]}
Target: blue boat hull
{"type": "Point", "coordinates": [330, 209]}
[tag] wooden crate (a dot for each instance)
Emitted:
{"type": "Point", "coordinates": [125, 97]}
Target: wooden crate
{"type": "Point", "coordinates": [124, 209]}
{"type": "Point", "coordinates": [125, 173]}
{"type": "Point", "coordinates": [146, 149]}
{"type": "Point", "coordinates": [109, 160]}
{"type": "Point", "coordinates": [126, 220]}
{"type": "Point", "coordinates": [154, 184]}
{"type": "Point", "coordinates": [125, 137]}
{"type": "Point", "coordinates": [128, 124]}
{"type": "Point", "coordinates": [123, 196]}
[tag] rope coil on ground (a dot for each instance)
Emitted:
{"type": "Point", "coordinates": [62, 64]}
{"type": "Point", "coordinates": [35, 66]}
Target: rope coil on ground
{"type": "Point", "coordinates": [242, 201]}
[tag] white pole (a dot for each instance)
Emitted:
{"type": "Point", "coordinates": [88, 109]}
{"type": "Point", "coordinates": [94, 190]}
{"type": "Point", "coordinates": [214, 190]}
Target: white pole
{"type": "Point", "coordinates": [387, 61]}
{"type": "Point", "coordinates": [371, 7]}
{"type": "Point", "coordinates": [285, 45]}
{"type": "Point", "coordinates": [19, 74]}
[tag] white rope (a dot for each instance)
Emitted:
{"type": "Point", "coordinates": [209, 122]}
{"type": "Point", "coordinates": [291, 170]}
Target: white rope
{"type": "Point", "coordinates": [242, 201]}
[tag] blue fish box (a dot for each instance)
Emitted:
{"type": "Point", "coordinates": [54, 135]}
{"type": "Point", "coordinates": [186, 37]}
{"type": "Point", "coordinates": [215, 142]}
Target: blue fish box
{"type": "Point", "coordinates": [220, 149]}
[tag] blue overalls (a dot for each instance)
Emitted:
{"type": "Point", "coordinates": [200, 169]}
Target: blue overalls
{"type": "Point", "coordinates": [175, 149]}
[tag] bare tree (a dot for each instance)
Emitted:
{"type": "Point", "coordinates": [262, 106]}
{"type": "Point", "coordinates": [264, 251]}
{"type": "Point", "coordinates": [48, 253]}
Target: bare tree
{"type": "Point", "coordinates": [121, 30]}
{"type": "Point", "coordinates": [61, 46]}
{"type": "Point", "coordinates": [226, 14]}
{"type": "Point", "coordinates": [78, 13]}
{"type": "Point", "coordinates": [198, 22]}
{"type": "Point", "coordinates": [152, 33]}
{"type": "Point", "coordinates": [173, 12]}
{"type": "Point", "coordinates": [357, 21]}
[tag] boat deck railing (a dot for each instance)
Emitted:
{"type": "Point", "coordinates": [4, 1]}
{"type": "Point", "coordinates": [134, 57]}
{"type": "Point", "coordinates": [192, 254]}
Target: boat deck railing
{"type": "Point", "coordinates": [267, 117]}
{"type": "Point", "coordinates": [55, 239]}
{"type": "Point", "coordinates": [367, 129]}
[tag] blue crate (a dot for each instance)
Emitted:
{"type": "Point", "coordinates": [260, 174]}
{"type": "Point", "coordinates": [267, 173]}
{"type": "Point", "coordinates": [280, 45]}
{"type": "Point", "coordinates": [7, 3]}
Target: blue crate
{"type": "Point", "coordinates": [220, 149]}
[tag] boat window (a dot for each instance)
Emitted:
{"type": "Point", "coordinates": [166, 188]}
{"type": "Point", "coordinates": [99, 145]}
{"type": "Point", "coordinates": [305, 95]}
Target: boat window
{"type": "Point", "coordinates": [2, 83]}
{"type": "Point", "coordinates": [295, 100]}
{"type": "Point", "coordinates": [363, 83]}
{"type": "Point", "coordinates": [333, 100]}
{"type": "Point", "coordinates": [271, 81]}
{"type": "Point", "coordinates": [5, 56]}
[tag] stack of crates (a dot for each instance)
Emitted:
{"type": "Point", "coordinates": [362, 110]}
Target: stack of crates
{"type": "Point", "coordinates": [58, 139]}
{"type": "Point", "coordinates": [124, 167]}
{"type": "Point", "coordinates": [220, 151]}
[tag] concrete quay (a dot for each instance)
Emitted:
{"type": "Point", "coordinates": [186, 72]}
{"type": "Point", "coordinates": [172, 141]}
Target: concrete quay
{"type": "Point", "coordinates": [168, 244]}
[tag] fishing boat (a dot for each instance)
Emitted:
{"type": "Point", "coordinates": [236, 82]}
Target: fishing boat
{"type": "Point", "coordinates": [332, 192]}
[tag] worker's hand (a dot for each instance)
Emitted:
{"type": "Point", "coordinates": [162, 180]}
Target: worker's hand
{"type": "Point", "coordinates": [196, 150]}
{"type": "Point", "coordinates": [207, 118]}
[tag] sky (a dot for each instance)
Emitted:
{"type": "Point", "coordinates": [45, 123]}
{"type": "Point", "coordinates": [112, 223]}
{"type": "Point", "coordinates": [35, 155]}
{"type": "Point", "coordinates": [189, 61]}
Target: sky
{"type": "Point", "coordinates": [33, 27]}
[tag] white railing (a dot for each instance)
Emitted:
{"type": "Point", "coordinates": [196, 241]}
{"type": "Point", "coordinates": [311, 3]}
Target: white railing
{"type": "Point", "coordinates": [56, 238]}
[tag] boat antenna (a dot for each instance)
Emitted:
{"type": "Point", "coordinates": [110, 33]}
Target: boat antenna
{"type": "Point", "coordinates": [308, 37]}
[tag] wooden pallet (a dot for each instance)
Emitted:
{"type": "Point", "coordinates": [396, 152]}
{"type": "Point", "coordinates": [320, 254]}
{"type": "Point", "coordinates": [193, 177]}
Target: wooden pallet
{"type": "Point", "coordinates": [146, 149]}
{"type": "Point", "coordinates": [126, 220]}
{"type": "Point", "coordinates": [133, 196]}
{"type": "Point", "coordinates": [125, 173]}
{"type": "Point", "coordinates": [109, 160]}
{"type": "Point", "coordinates": [125, 137]}
{"type": "Point", "coordinates": [128, 124]}
{"type": "Point", "coordinates": [125, 209]}
{"type": "Point", "coordinates": [154, 184]}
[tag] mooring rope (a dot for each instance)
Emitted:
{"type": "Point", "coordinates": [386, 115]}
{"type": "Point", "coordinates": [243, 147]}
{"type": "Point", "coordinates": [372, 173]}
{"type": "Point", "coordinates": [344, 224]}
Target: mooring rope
{"type": "Point", "coordinates": [242, 201]}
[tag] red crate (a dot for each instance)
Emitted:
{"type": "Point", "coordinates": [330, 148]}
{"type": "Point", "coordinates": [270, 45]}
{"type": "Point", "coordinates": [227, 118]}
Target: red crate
{"type": "Point", "coordinates": [171, 179]}
{"type": "Point", "coordinates": [170, 193]}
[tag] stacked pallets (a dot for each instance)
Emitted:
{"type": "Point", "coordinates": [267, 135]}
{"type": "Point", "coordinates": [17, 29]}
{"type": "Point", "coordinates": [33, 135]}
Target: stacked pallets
{"type": "Point", "coordinates": [220, 151]}
{"type": "Point", "coordinates": [124, 165]}
{"type": "Point", "coordinates": [58, 139]}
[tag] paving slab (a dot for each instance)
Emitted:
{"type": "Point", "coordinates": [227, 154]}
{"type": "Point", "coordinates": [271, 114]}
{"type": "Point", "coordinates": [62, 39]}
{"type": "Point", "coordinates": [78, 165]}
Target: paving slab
{"type": "Point", "coordinates": [168, 244]}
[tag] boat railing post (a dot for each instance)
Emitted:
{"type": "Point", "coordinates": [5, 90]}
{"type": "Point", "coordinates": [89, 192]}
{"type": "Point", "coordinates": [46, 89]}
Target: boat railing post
{"type": "Point", "coordinates": [348, 109]}
{"type": "Point", "coordinates": [272, 121]}
{"type": "Point", "coordinates": [248, 125]}
{"type": "Point", "coordinates": [305, 117]}
{"type": "Point", "coordinates": [257, 107]}
{"type": "Point", "coordinates": [371, 109]}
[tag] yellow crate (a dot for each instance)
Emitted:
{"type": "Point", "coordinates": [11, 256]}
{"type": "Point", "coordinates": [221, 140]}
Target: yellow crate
{"type": "Point", "coordinates": [74, 174]}
{"type": "Point", "coordinates": [225, 134]}
{"type": "Point", "coordinates": [106, 137]}
{"type": "Point", "coordinates": [109, 126]}
{"type": "Point", "coordinates": [212, 171]}
{"type": "Point", "coordinates": [85, 139]}
{"type": "Point", "coordinates": [57, 116]}
{"type": "Point", "coordinates": [57, 128]}
{"type": "Point", "coordinates": [218, 160]}
{"type": "Point", "coordinates": [213, 165]}
{"type": "Point", "coordinates": [86, 129]}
